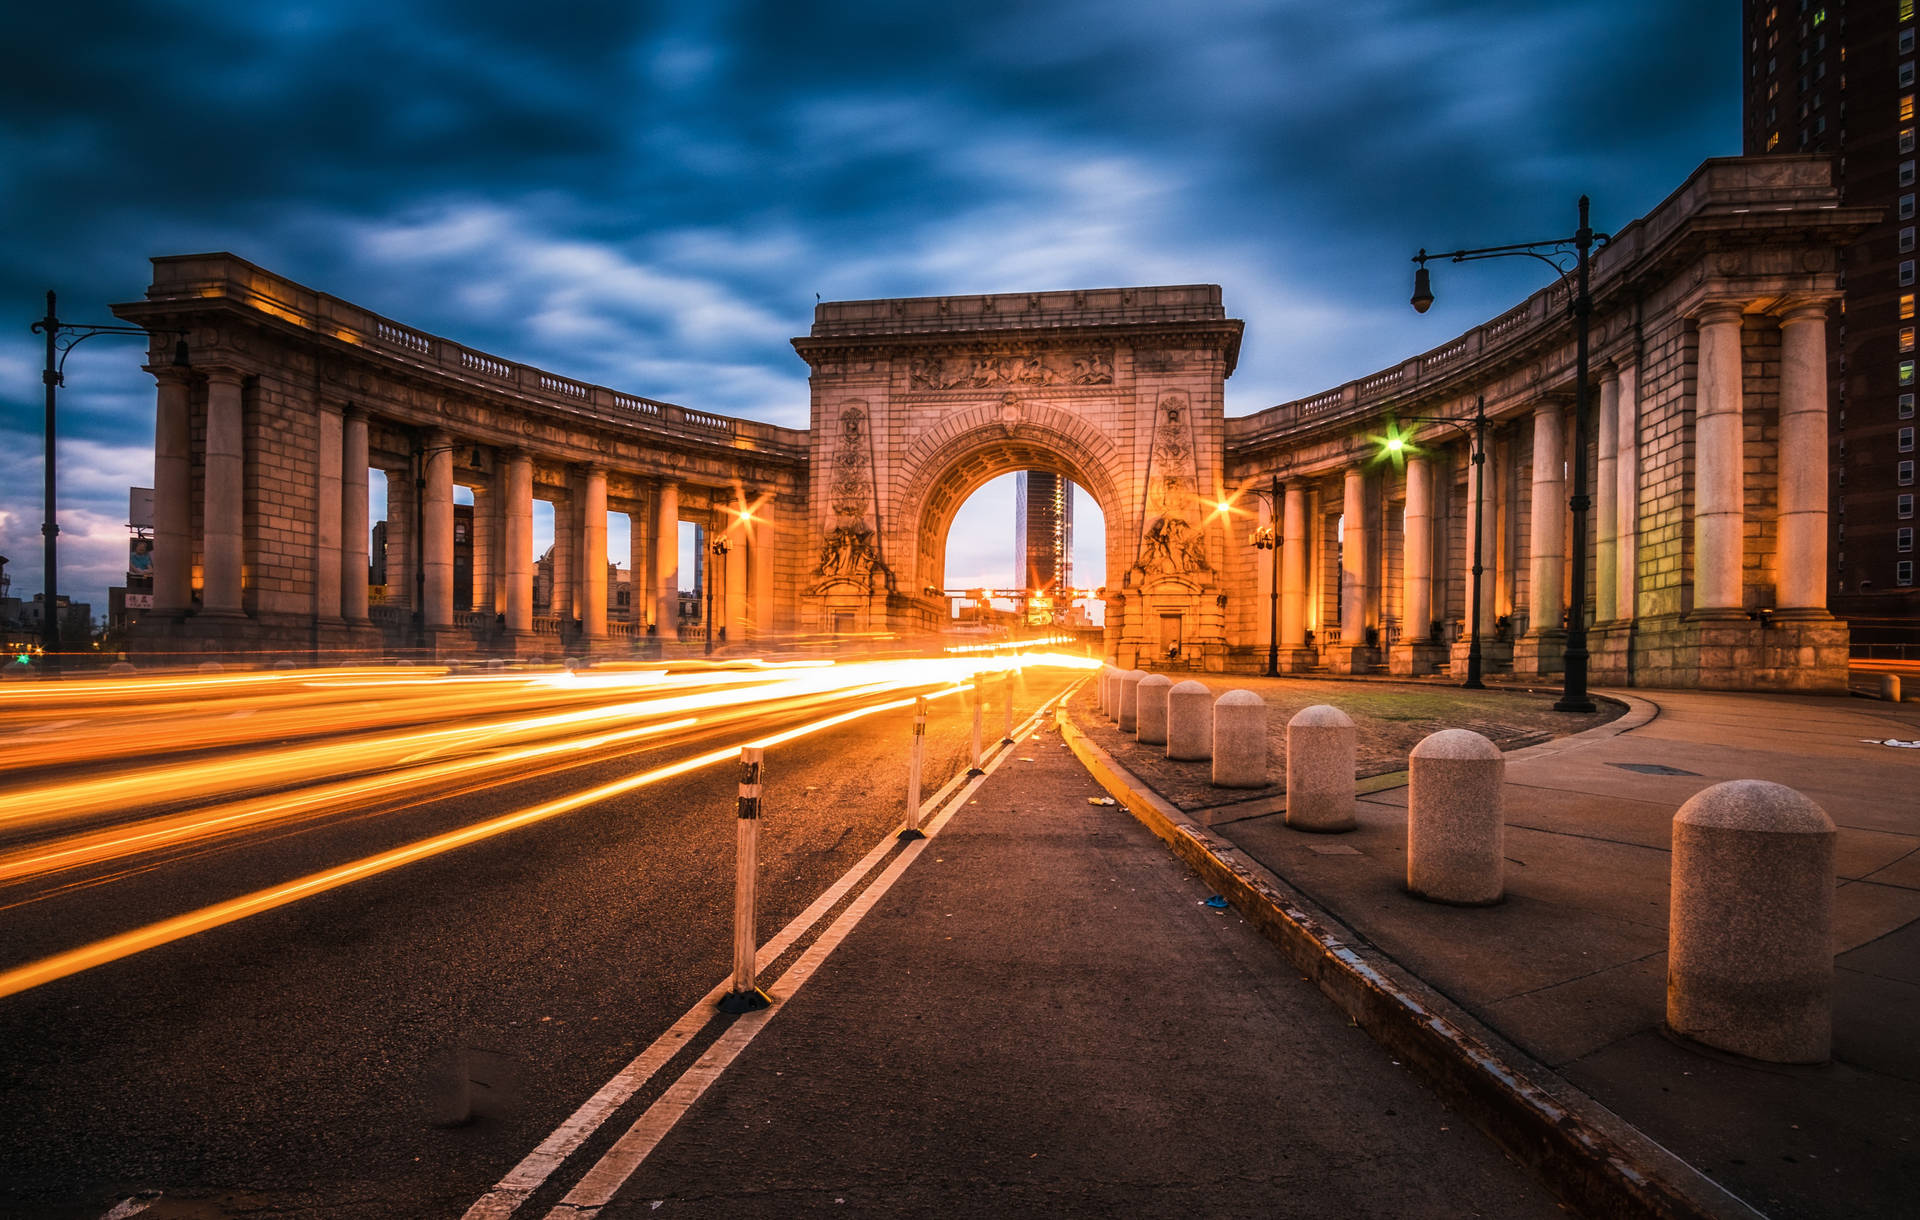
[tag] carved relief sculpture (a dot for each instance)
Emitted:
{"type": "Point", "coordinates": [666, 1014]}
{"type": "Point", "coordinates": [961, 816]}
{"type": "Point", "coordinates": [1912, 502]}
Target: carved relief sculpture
{"type": "Point", "coordinates": [979, 372]}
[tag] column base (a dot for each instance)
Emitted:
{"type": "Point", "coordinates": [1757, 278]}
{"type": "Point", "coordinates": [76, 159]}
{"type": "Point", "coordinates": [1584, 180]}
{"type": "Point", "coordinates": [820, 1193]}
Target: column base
{"type": "Point", "coordinates": [1538, 654]}
{"type": "Point", "coordinates": [1496, 657]}
{"type": "Point", "coordinates": [1743, 653]}
{"type": "Point", "coordinates": [1351, 658]}
{"type": "Point", "coordinates": [1416, 659]}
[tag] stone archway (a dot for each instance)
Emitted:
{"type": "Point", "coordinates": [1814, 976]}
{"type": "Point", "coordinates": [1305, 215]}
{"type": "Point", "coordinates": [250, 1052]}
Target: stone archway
{"type": "Point", "coordinates": [917, 403]}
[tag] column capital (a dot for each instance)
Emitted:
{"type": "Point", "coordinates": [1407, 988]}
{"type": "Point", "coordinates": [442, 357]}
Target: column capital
{"type": "Point", "coordinates": [225, 375]}
{"type": "Point", "coordinates": [1796, 312]}
{"type": "Point", "coordinates": [170, 374]}
{"type": "Point", "coordinates": [1719, 313]}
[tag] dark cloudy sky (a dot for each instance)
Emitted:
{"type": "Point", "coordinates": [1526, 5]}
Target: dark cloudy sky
{"type": "Point", "coordinates": [649, 196]}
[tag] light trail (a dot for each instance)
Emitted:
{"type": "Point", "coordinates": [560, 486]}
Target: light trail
{"type": "Point", "coordinates": [166, 931]}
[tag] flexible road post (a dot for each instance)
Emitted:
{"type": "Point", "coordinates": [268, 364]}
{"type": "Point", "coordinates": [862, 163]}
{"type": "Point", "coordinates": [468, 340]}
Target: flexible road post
{"type": "Point", "coordinates": [978, 700]}
{"type": "Point", "coordinates": [746, 994]}
{"type": "Point", "coordinates": [1006, 733]}
{"type": "Point", "coordinates": [913, 830]}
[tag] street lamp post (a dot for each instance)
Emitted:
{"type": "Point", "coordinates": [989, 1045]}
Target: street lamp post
{"type": "Point", "coordinates": [716, 565]}
{"type": "Point", "coordinates": [1479, 458]}
{"type": "Point", "coordinates": [62, 338]}
{"type": "Point", "coordinates": [1573, 695]}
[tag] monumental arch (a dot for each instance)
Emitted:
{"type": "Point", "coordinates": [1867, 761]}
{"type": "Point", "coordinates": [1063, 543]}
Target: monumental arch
{"type": "Point", "coordinates": [917, 403]}
{"type": "Point", "coordinates": [1705, 552]}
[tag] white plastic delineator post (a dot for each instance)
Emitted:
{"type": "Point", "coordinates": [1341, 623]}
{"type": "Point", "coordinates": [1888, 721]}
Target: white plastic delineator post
{"type": "Point", "coordinates": [979, 697]}
{"type": "Point", "coordinates": [913, 830]}
{"type": "Point", "coordinates": [1006, 732]}
{"type": "Point", "coordinates": [746, 994]}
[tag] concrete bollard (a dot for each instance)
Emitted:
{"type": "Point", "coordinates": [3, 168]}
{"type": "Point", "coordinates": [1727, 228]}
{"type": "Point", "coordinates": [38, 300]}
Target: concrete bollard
{"type": "Point", "coordinates": [1150, 716]}
{"type": "Point", "coordinates": [1749, 949]}
{"type": "Point", "coordinates": [1113, 694]}
{"type": "Point", "coordinates": [1320, 771]}
{"type": "Point", "coordinates": [1105, 687]}
{"type": "Point", "coordinates": [1890, 687]}
{"type": "Point", "coordinates": [1130, 700]}
{"type": "Point", "coordinates": [914, 760]}
{"type": "Point", "coordinates": [1189, 722]}
{"type": "Point", "coordinates": [1240, 740]}
{"type": "Point", "coordinates": [1456, 823]}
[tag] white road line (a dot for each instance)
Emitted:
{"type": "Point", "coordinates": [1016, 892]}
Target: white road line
{"type": "Point", "coordinates": [533, 1171]}
{"type": "Point", "coordinates": [598, 1187]}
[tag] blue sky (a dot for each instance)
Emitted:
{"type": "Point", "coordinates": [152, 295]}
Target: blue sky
{"type": "Point", "coordinates": [649, 195]}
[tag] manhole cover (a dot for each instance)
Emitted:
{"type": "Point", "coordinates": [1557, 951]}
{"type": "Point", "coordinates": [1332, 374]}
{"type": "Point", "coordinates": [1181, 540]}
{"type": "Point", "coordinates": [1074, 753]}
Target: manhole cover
{"type": "Point", "coordinates": [1652, 769]}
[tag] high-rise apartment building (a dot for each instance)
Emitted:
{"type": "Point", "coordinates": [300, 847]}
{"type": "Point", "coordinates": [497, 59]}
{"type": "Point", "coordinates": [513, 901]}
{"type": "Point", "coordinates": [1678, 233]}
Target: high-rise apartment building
{"type": "Point", "coordinates": [1043, 531]}
{"type": "Point", "coordinates": [1837, 78]}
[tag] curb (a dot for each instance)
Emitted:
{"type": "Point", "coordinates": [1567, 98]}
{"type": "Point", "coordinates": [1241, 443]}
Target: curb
{"type": "Point", "coordinates": [1595, 1160]}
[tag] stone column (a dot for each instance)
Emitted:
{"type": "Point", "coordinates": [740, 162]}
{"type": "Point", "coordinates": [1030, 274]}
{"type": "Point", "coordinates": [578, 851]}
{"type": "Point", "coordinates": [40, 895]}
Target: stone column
{"type": "Point", "coordinates": [1627, 536]}
{"type": "Point", "coordinates": [1293, 568]}
{"type": "Point", "coordinates": [172, 493]}
{"type": "Point", "coordinates": [1606, 511]}
{"type": "Point", "coordinates": [1546, 556]}
{"type": "Point", "coordinates": [1353, 560]}
{"type": "Point", "coordinates": [666, 561]}
{"type": "Point", "coordinates": [565, 552]}
{"type": "Point", "coordinates": [518, 560]}
{"type": "Point", "coordinates": [593, 554]}
{"type": "Point", "coordinates": [638, 587]}
{"type": "Point", "coordinates": [436, 532]}
{"type": "Point", "coordinates": [486, 549]}
{"type": "Point", "coordinates": [353, 516]}
{"type": "Point", "coordinates": [222, 516]}
{"type": "Point", "coordinates": [1416, 558]}
{"type": "Point", "coordinates": [1802, 566]}
{"type": "Point", "coordinates": [1719, 514]}
{"type": "Point", "coordinates": [329, 461]}
{"type": "Point", "coordinates": [734, 586]}
{"type": "Point", "coordinates": [762, 553]}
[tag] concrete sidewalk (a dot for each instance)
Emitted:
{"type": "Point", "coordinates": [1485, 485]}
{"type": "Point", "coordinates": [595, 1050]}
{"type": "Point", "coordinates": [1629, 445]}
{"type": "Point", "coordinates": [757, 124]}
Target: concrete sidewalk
{"type": "Point", "coordinates": [1571, 967]}
{"type": "Point", "coordinates": [1044, 1018]}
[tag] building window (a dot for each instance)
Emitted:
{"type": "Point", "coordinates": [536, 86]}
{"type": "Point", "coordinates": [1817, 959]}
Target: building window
{"type": "Point", "coordinates": [1903, 505]}
{"type": "Point", "coordinates": [1906, 108]}
{"type": "Point", "coordinates": [1906, 406]}
{"type": "Point", "coordinates": [1906, 74]}
{"type": "Point", "coordinates": [1906, 440]}
{"type": "Point", "coordinates": [1903, 538]}
{"type": "Point", "coordinates": [1906, 173]}
{"type": "Point", "coordinates": [1906, 139]}
{"type": "Point", "coordinates": [1906, 338]}
{"type": "Point", "coordinates": [1906, 272]}
{"type": "Point", "coordinates": [1906, 239]}
{"type": "Point", "coordinates": [1906, 207]}
{"type": "Point", "coordinates": [1903, 473]}
{"type": "Point", "coordinates": [1906, 42]}
{"type": "Point", "coordinates": [1903, 572]}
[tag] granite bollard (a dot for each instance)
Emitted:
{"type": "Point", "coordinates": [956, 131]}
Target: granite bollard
{"type": "Point", "coordinates": [1456, 823]}
{"type": "Point", "coordinates": [1150, 718]}
{"type": "Point", "coordinates": [1130, 700]}
{"type": "Point", "coordinates": [1320, 770]}
{"type": "Point", "coordinates": [1189, 722]}
{"type": "Point", "coordinates": [1103, 686]}
{"type": "Point", "coordinates": [1749, 949]}
{"type": "Point", "coordinates": [1240, 740]}
{"type": "Point", "coordinates": [1890, 687]}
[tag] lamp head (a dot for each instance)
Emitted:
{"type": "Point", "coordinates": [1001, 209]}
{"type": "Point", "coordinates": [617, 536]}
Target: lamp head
{"type": "Point", "coordinates": [1422, 286]}
{"type": "Point", "coordinates": [181, 359]}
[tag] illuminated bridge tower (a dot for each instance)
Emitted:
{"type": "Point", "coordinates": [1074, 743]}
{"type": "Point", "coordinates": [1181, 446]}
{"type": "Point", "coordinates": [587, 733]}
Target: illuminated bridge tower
{"type": "Point", "coordinates": [1043, 533]}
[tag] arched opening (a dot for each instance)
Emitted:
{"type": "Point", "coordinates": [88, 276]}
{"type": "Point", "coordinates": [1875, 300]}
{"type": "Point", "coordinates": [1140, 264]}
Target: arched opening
{"type": "Point", "coordinates": [999, 541]}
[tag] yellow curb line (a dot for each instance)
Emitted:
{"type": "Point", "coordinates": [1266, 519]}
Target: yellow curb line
{"type": "Point", "coordinates": [1596, 1160]}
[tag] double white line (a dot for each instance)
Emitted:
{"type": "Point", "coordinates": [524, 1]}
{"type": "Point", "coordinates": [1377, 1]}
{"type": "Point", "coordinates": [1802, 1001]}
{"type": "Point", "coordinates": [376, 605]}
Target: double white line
{"type": "Point", "coordinates": [598, 1186]}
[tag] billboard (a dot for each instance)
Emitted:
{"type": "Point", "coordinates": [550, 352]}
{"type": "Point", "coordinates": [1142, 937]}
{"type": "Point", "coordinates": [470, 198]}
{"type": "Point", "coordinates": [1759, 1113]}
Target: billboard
{"type": "Point", "coordinates": [139, 559]}
{"type": "Point", "coordinates": [140, 507]}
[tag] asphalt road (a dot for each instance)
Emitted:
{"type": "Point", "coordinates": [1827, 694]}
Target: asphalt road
{"type": "Point", "coordinates": [390, 1048]}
